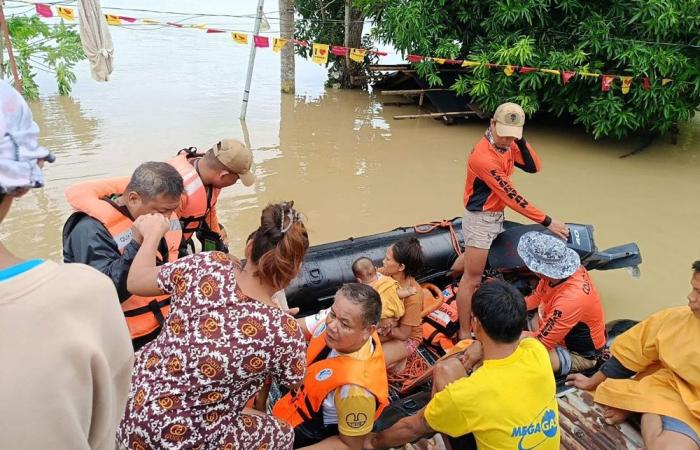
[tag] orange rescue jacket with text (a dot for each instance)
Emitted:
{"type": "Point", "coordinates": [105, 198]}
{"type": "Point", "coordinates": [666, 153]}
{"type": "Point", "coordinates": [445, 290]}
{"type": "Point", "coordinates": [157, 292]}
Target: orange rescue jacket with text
{"type": "Point", "coordinates": [198, 202]}
{"type": "Point", "coordinates": [144, 315]}
{"type": "Point", "coordinates": [325, 375]}
{"type": "Point", "coordinates": [488, 186]}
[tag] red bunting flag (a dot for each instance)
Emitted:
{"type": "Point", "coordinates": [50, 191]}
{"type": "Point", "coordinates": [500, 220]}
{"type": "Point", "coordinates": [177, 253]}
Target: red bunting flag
{"type": "Point", "coordinates": [454, 62]}
{"type": "Point", "coordinates": [414, 58]}
{"type": "Point", "coordinates": [378, 53]}
{"type": "Point", "coordinates": [338, 50]}
{"type": "Point", "coordinates": [302, 43]}
{"type": "Point", "coordinates": [261, 41]}
{"type": "Point", "coordinates": [43, 10]}
{"type": "Point", "coordinates": [525, 69]}
{"type": "Point", "coordinates": [215, 30]}
{"type": "Point", "coordinates": [128, 19]}
{"type": "Point", "coordinates": [607, 82]}
{"type": "Point", "coordinates": [566, 76]}
{"type": "Point", "coordinates": [173, 24]}
{"type": "Point", "coordinates": [645, 84]}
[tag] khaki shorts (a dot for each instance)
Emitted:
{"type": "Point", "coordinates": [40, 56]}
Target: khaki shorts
{"type": "Point", "coordinates": [480, 228]}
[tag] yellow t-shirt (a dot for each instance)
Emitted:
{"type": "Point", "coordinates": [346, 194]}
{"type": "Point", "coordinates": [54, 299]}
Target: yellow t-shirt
{"type": "Point", "coordinates": [392, 305]}
{"type": "Point", "coordinates": [507, 403]}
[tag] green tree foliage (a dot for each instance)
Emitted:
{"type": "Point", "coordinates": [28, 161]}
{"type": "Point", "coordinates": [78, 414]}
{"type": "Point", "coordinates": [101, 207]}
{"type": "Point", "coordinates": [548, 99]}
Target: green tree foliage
{"type": "Point", "coordinates": [38, 46]}
{"type": "Point", "coordinates": [651, 38]}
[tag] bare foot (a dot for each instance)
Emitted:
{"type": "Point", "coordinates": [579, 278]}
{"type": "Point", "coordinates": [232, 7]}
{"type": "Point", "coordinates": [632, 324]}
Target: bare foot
{"type": "Point", "coordinates": [614, 416]}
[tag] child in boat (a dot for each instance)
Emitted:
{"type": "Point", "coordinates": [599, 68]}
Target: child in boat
{"type": "Point", "coordinates": [390, 292]}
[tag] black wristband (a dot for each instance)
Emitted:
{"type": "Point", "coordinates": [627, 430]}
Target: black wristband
{"type": "Point", "coordinates": [547, 221]}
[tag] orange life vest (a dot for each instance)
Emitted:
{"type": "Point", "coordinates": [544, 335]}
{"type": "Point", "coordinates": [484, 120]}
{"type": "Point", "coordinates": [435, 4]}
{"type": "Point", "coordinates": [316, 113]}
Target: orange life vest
{"type": "Point", "coordinates": [194, 209]}
{"type": "Point", "coordinates": [144, 315]}
{"type": "Point", "coordinates": [324, 375]}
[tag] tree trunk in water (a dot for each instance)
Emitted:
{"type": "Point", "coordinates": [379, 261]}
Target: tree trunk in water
{"type": "Point", "coordinates": [353, 39]}
{"type": "Point", "coordinates": [287, 83]}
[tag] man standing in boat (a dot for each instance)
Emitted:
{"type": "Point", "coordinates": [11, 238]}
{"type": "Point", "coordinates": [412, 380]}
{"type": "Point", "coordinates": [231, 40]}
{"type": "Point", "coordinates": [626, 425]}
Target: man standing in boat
{"type": "Point", "coordinates": [487, 191]}
{"type": "Point", "coordinates": [204, 175]}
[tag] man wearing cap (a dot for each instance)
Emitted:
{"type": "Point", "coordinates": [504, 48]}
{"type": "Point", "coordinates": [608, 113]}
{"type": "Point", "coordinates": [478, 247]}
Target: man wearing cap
{"type": "Point", "coordinates": [487, 191]}
{"type": "Point", "coordinates": [204, 176]}
{"type": "Point", "coordinates": [571, 323]}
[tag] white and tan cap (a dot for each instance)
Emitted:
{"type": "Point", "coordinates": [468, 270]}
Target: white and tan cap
{"type": "Point", "coordinates": [237, 158]}
{"type": "Point", "coordinates": [510, 119]}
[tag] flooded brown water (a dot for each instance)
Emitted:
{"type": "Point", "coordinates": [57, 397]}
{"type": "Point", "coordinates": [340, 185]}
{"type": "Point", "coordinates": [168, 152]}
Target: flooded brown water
{"type": "Point", "coordinates": [348, 165]}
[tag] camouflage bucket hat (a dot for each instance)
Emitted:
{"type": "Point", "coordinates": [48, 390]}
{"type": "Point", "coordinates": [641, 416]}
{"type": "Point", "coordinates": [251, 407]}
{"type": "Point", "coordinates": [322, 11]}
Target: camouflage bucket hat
{"type": "Point", "coordinates": [548, 255]}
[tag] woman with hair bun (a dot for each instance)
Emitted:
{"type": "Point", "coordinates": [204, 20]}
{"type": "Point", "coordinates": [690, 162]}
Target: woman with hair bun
{"type": "Point", "coordinates": [224, 335]}
{"type": "Point", "coordinates": [404, 260]}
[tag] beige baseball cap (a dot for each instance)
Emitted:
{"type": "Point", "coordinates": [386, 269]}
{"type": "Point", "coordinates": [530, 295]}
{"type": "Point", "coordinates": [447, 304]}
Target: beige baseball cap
{"type": "Point", "coordinates": [510, 119]}
{"type": "Point", "coordinates": [237, 158]}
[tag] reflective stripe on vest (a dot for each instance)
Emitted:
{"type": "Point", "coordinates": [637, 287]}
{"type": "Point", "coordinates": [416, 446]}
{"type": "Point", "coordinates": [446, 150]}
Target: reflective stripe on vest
{"type": "Point", "coordinates": [143, 315]}
{"type": "Point", "coordinates": [196, 206]}
{"type": "Point", "coordinates": [326, 375]}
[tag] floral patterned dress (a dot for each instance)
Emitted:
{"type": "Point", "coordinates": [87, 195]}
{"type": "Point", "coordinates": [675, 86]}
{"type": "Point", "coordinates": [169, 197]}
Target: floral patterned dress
{"type": "Point", "coordinates": [190, 384]}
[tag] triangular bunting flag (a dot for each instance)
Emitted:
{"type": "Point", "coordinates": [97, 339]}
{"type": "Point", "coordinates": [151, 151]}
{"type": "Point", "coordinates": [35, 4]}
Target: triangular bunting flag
{"type": "Point", "coordinates": [302, 43]}
{"type": "Point", "coordinates": [358, 54]}
{"type": "Point", "coordinates": [174, 24]}
{"type": "Point", "coordinates": [200, 26]}
{"type": "Point", "coordinates": [377, 52]}
{"type": "Point", "coordinates": [607, 82]}
{"type": "Point", "coordinates": [150, 21]}
{"type": "Point", "coordinates": [552, 71]}
{"type": "Point", "coordinates": [113, 20]}
{"type": "Point", "coordinates": [626, 83]}
{"type": "Point", "coordinates": [338, 50]}
{"type": "Point", "coordinates": [261, 41]}
{"type": "Point", "coordinates": [454, 62]}
{"type": "Point", "coordinates": [566, 76]}
{"type": "Point", "coordinates": [128, 19]}
{"type": "Point", "coordinates": [239, 38]}
{"type": "Point", "coordinates": [216, 30]}
{"type": "Point", "coordinates": [439, 60]}
{"type": "Point", "coordinates": [645, 83]}
{"type": "Point", "coordinates": [65, 13]}
{"type": "Point", "coordinates": [524, 69]}
{"type": "Point", "coordinates": [491, 65]}
{"type": "Point", "coordinates": [43, 10]}
{"type": "Point", "coordinates": [589, 74]}
{"type": "Point", "coordinates": [278, 43]}
{"type": "Point", "coordinates": [467, 63]}
{"type": "Point", "coordinates": [665, 81]}
{"type": "Point", "coordinates": [414, 58]}
{"type": "Point", "coordinates": [319, 53]}
{"type": "Point", "coordinates": [509, 70]}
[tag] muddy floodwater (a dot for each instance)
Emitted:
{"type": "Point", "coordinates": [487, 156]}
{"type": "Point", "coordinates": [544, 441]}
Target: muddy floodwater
{"type": "Point", "coordinates": [350, 168]}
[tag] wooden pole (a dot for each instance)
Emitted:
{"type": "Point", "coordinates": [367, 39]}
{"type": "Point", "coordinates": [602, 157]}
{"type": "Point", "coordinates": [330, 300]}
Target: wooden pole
{"type": "Point", "coordinates": [8, 44]}
{"type": "Point", "coordinates": [251, 60]}
{"type": "Point", "coordinates": [437, 114]}
{"type": "Point", "coordinates": [287, 81]}
{"type": "Point", "coordinates": [412, 91]}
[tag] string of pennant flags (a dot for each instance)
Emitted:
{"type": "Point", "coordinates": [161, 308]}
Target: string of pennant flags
{"type": "Point", "coordinates": [320, 52]}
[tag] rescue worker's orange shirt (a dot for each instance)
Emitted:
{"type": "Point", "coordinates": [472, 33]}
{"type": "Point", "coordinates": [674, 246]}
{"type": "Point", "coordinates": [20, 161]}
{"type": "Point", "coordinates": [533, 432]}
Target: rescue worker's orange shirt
{"type": "Point", "coordinates": [488, 186]}
{"type": "Point", "coordinates": [571, 314]}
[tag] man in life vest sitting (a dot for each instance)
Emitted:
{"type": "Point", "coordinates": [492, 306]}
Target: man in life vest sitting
{"type": "Point", "coordinates": [345, 388]}
{"type": "Point", "coordinates": [570, 320]}
{"type": "Point", "coordinates": [101, 234]}
{"type": "Point", "coordinates": [204, 175]}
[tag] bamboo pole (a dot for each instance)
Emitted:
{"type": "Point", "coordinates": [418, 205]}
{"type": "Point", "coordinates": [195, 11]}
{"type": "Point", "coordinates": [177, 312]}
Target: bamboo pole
{"type": "Point", "coordinates": [8, 44]}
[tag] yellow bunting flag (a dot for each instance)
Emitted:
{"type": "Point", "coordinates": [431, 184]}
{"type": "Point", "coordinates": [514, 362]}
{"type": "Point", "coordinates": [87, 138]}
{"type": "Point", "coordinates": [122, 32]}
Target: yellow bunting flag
{"type": "Point", "coordinates": [240, 38]}
{"type": "Point", "coordinates": [151, 21]}
{"type": "Point", "coordinates": [65, 13]}
{"type": "Point", "coordinates": [552, 71]}
{"type": "Point", "coordinates": [320, 53]}
{"type": "Point", "coordinates": [278, 43]}
{"type": "Point", "coordinates": [626, 83]}
{"type": "Point", "coordinates": [466, 63]}
{"type": "Point", "coordinates": [358, 54]}
{"type": "Point", "coordinates": [588, 74]}
{"type": "Point", "coordinates": [508, 70]}
{"type": "Point", "coordinates": [439, 60]}
{"type": "Point", "coordinates": [201, 26]}
{"type": "Point", "coordinates": [665, 81]}
{"type": "Point", "coordinates": [113, 20]}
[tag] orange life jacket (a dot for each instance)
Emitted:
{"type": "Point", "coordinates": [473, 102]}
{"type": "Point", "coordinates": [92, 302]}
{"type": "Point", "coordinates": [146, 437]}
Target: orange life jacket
{"type": "Point", "coordinates": [144, 315]}
{"type": "Point", "coordinates": [194, 209]}
{"type": "Point", "coordinates": [324, 375]}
